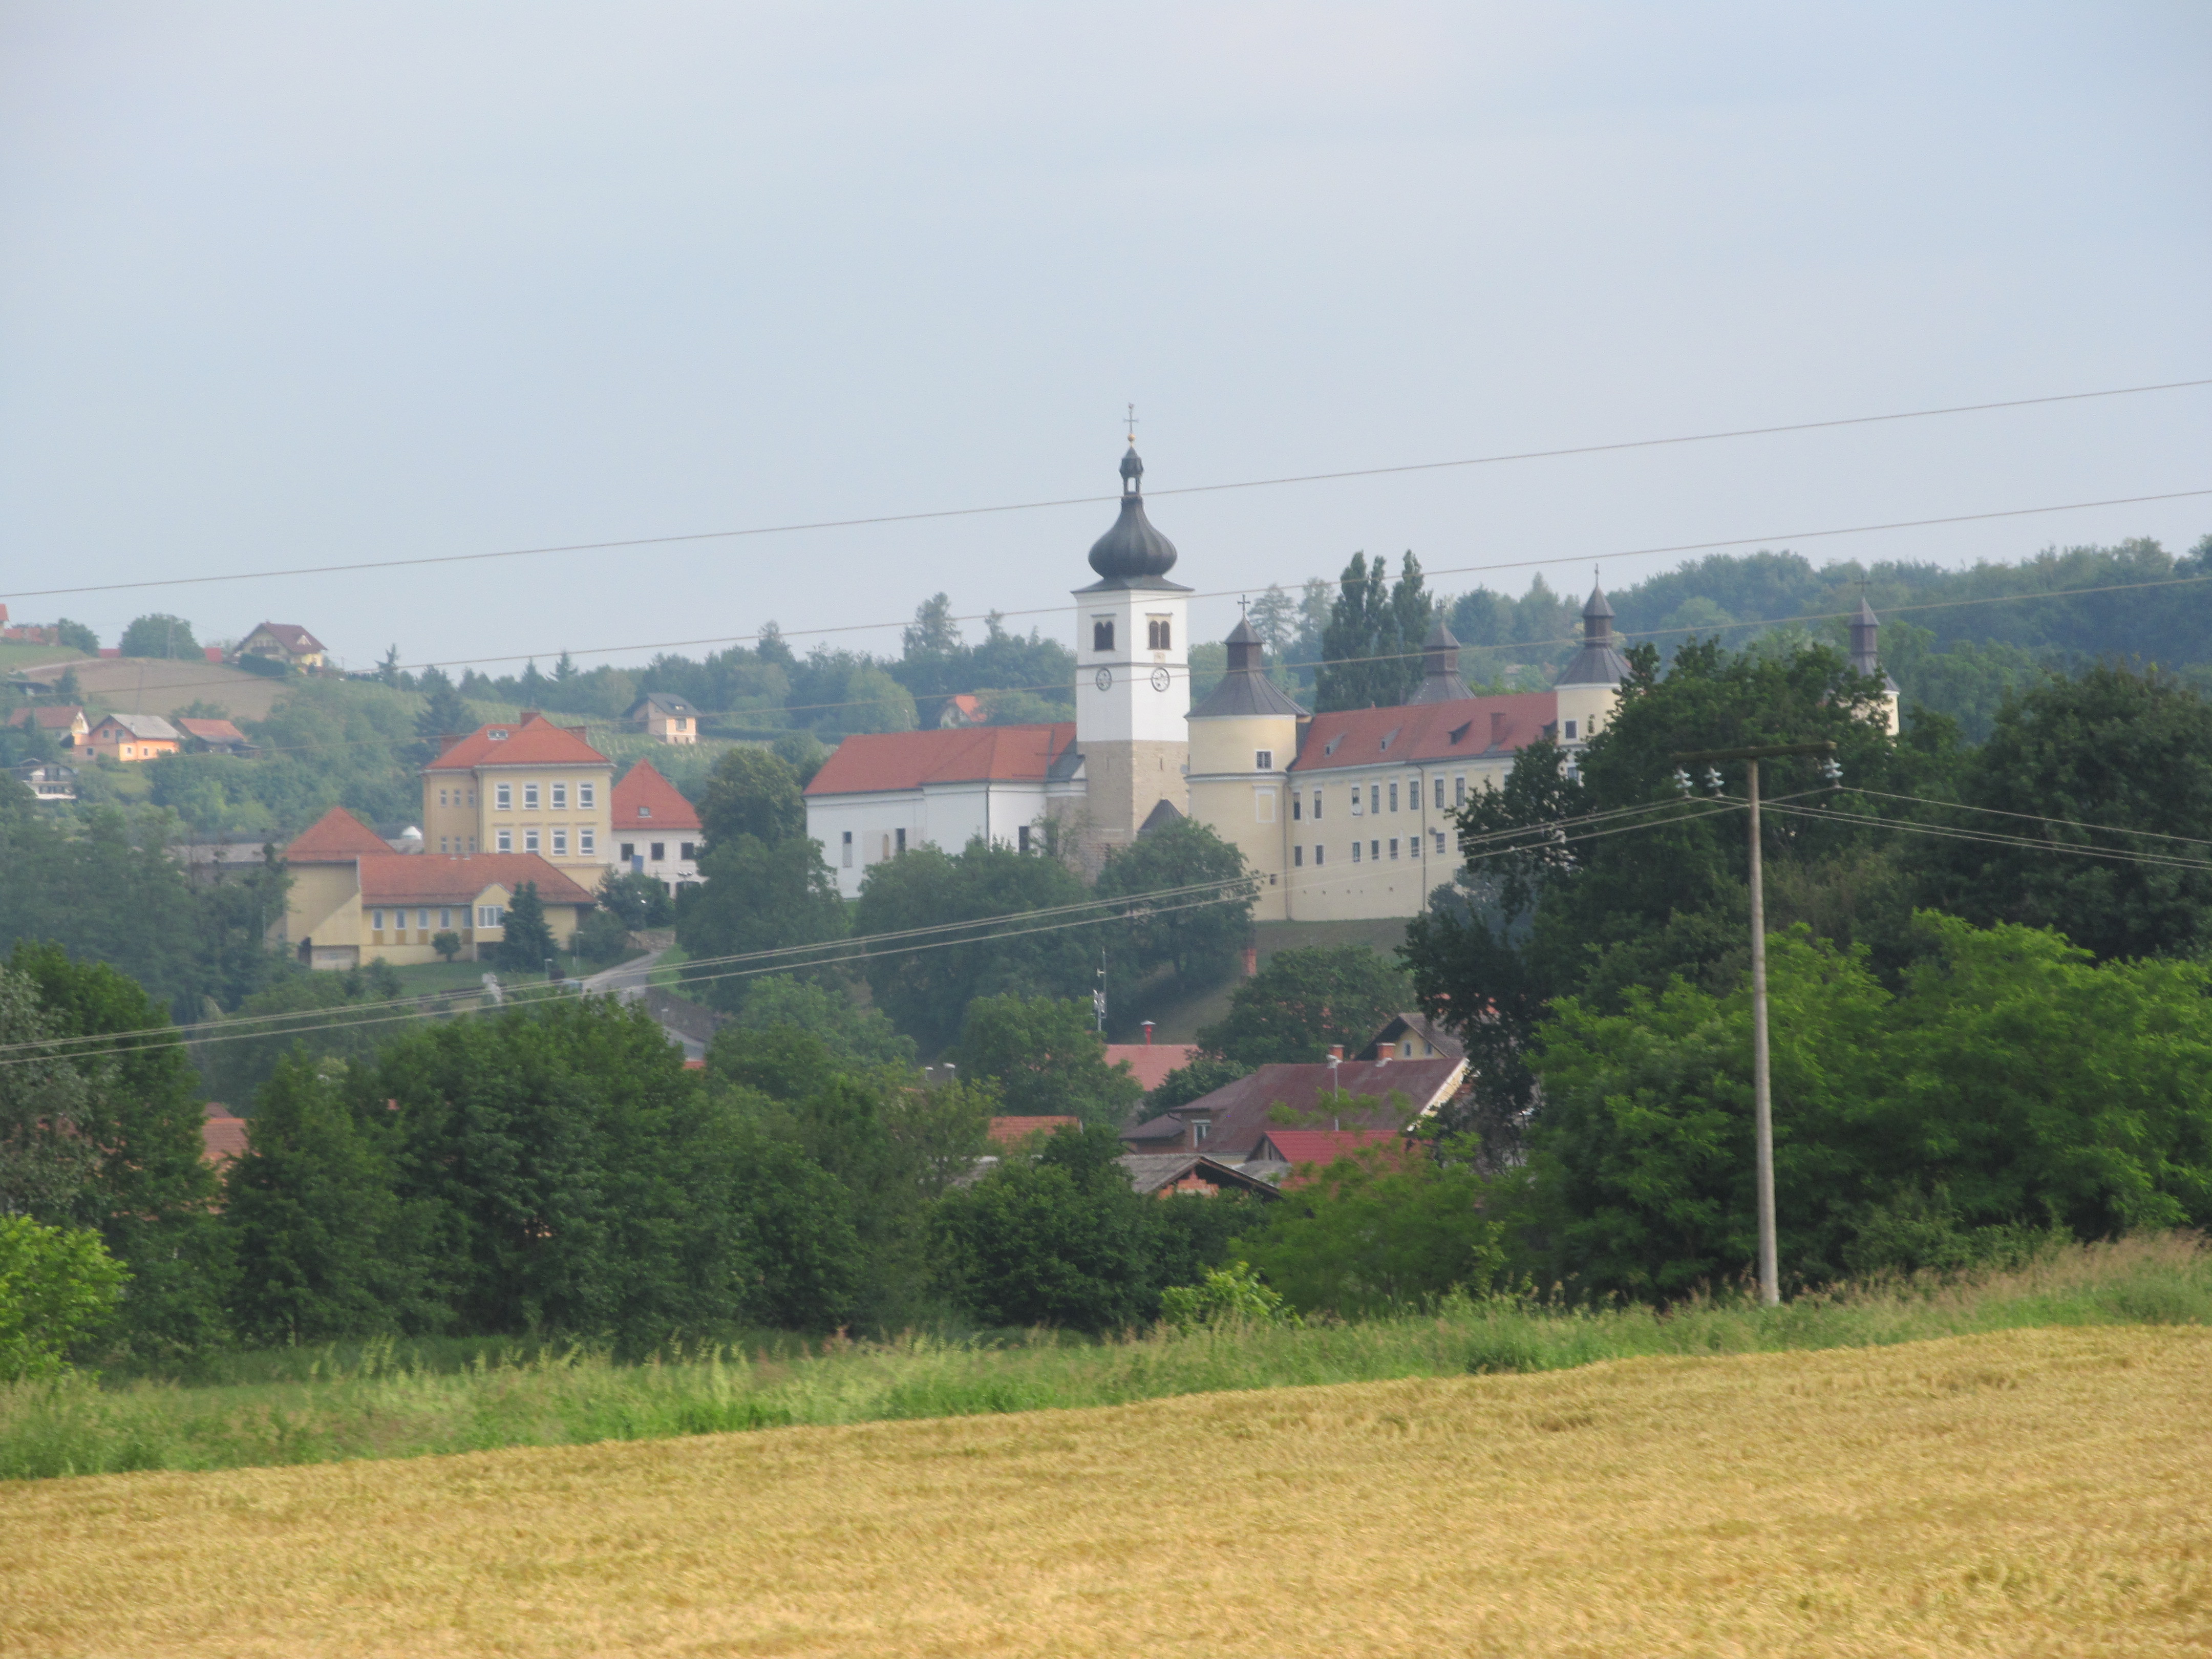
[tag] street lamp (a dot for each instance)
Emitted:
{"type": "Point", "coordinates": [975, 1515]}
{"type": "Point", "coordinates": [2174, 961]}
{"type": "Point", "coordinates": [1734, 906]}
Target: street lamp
{"type": "Point", "coordinates": [1762, 1098]}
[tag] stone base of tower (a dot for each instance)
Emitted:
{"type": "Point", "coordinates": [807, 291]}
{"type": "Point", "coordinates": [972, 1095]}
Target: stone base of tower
{"type": "Point", "coordinates": [1122, 783]}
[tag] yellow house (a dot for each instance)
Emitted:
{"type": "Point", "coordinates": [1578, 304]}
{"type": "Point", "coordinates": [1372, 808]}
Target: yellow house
{"type": "Point", "coordinates": [354, 900]}
{"type": "Point", "coordinates": [284, 641]}
{"type": "Point", "coordinates": [525, 787]}
{"type": "Point", "coordinates": [131, 738]}
{"type": "Point", "coordinates": [1244, 737]}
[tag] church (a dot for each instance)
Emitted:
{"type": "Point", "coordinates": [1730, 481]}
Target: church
{"type": "Point", "coordinates": [1340, 816]}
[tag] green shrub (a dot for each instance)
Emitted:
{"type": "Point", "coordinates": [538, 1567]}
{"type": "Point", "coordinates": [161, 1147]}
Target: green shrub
{"type": "Point", "coordinates": [56, 1285]}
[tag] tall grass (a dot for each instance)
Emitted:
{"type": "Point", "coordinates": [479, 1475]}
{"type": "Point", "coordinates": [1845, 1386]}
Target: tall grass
{"type": "Point", "coordinates": [384, 1400]}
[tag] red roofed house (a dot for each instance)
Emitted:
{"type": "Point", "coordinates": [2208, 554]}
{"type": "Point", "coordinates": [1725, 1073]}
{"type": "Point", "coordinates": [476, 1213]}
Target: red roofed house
{"type": "Point", "coordinates": [64, 723]}
{"type": "Point", "coordinates": [1303, 1153]}
{"type": "Point", "coordinates": [354, 900]}
{"type": "Point", "coordinates": [654, 830]}
{"type": "Point", "coordinates": [286, 642]}
{"type": "Point", "coordinates": [883, 793]}
{"type": "Point", "coordinates": [1151, 1062]}
{"type": "Point", "coordinates": [1011, 1131]}
{"type": "Point", "coordinates": [131, 738]}
{"type": "Point", "coordinates": [216, 737]}
{"type": "Point", "coordinates": [524, 786]}
{"type": "Point", "coordinates": [222, 1137]}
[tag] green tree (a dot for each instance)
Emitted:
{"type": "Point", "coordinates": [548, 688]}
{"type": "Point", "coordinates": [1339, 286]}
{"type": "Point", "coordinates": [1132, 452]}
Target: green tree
{"type": "Point", "coordinates": [1060, 1239]}
{"type": "Point", "coordinates": [147, 1189]}
{"type": "Point", "coordinates": [752, 792]}
{"type": "Point", "coordinates": [58, 1287]}
{"type": "Point", "coordinates": [635, 899]}
{"type": "Point", "coordinates": [1046, 1058]}
{"type": "Point", "coordinates": [925, 991]}
{"type": "Point", "coordinates": [1373, 642]}
{"type": "Point", "coordinates": [2010, 1083]}
{"type": "Point", "coordinates": [160, 635]}
{"type": "Point", "coordinates": [446, 944]}
{"type": "Point", "coordinates": [341, 1015]}
{"type": "Point", "coordinates": [444, 712]}
{"type": "Point", "coordinates": [1304, 1000]}
{"type": "Point", "coordinates": [526, 938]}
{"type": "Point", "coordinates": [77, 637]}
{"type": "Point", "coordinates": [839, 691]}
{"type": "Point", "coordinates": [2113, 747]}
{"type": "Point", "coordinates": [1199, 944]}
{"type": "Point", "coordinates": [858, 1039]}
{"type": "Point", "coordinates": [759, 897]}
{"type": "Point", "coordinates": [1381, 1231]}
{"type": "Point", "coordinates": [313, 1211]}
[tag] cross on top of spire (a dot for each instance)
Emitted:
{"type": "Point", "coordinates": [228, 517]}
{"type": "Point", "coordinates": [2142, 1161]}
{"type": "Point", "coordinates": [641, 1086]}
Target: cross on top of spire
{"type": "Point", "coordinates": [1132, 423]}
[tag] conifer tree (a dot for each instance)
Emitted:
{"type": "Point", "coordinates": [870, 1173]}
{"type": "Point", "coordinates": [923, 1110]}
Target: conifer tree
{"type": "Point", "coordinates": [526, 941]}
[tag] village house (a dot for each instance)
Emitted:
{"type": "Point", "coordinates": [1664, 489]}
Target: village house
{"type": "Point", "coordinates": [666, 716]}
{"type": "Point", "coordinates": [216, 737]}
{"type": "Point", "coordinates": [26, 633]}
{"type": "Point", "coordinates": [284, 642]}
{"type": "Point", "coordinates": [131, 738]}
{"type": "Point", "coordinates": [49, 780]}
{"type": "Point", "coordinates": [1386, 1093]}
{"type": "Point", "coordinates": [522, 787]}
{"type": "Point", "coordinates": [65, 723]}
{"type": "Point", "coordinates": [354, 900]}
{"type": "Point", "coordinates": [655, 831]}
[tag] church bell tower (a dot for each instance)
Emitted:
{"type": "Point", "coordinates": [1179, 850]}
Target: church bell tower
{"type": "Point", "coordinates": [1131, 673]}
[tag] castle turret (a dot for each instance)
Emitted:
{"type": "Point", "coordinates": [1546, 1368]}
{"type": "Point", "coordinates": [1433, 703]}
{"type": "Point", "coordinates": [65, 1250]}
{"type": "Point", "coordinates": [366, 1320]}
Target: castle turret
{"type": "Point", "coordinates": [1244, 737]}
{"type": "Point", "coordinates": [1589, 686]}
{"type": "Point", "coordinates": [1866, 656]}
{"type": "Point", "coordinates": [1440, 675]}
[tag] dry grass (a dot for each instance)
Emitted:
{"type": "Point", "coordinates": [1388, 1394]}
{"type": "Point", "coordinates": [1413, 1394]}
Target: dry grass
{"type": "Point", "coordinates": [2018, 1493]}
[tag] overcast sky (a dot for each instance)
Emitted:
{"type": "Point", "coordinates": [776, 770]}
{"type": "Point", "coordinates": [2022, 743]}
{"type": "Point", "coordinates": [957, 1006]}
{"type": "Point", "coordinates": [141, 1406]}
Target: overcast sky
{"type": "Point", "coordinates": [293, 284]}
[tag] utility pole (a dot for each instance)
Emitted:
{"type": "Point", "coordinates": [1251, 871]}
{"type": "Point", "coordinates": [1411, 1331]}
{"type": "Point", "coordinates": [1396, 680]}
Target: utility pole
{"type": "Point", "coordinates": [1762, 1093]}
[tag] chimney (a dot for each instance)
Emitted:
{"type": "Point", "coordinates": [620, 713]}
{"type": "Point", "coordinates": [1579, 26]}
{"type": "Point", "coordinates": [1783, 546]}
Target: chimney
{"type": "Point", "coordinates": [1497, 727]}
{"type": "Point", "coordinates": [1148, 1034]}
{"type": "Point", "coordinates": [1251, 960]}
{"type": "Point", "coordinates": [1385, 1053]}
{"type": "Point", "coordinates": [1336, 1054]}
{"type": "Point", "coordinates": [447, 740]}
{"type": "Point", "coordinates": [525, 716]}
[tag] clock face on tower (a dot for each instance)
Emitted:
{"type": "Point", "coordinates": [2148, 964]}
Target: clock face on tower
{"type": "Point", "coordinates": [1159, 679]}
{"type": "Point", "coordinates": [1103, 679]}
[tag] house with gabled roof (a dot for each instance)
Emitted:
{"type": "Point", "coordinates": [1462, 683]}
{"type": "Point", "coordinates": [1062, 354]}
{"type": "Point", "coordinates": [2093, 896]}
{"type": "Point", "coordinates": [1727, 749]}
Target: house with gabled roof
{"type": "Point", "coordinates": [654, 830]}
{"type": "Point", "coordinates": [216, 737]}
{"type": "Point", "coordinates": [285, 642]}
{"type": "Point", "coordinates": [132, 738]}
{"type": "Point", "coordinates": [1336, 1094]}
{"type": "Point", "coordinates": [524, 786]}
{"type": "Point", "coordinates": [354, 900]}
{"type": "Point", "coordinates": [666, 716]}
{"type": "Point", "coordinates": [65, 723]}
{"type": "Point", "coordinates": [881, 794]}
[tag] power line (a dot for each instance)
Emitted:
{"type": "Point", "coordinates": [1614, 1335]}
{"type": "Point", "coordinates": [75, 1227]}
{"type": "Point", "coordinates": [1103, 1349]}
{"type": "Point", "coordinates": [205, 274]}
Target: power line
{"type": "Point", "coordinates": [2035, 817]}
{"type": "Point", "coordinates": [1087, 501]}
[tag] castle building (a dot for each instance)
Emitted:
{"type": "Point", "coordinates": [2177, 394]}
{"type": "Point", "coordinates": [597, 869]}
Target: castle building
{"type": "Point", "coordinates": [1341, 817]}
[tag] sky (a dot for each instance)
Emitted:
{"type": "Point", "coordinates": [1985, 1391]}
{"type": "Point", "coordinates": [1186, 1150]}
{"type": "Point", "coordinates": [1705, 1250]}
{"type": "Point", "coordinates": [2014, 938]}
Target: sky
{"type": "Point", "coordinates": [288, 285]}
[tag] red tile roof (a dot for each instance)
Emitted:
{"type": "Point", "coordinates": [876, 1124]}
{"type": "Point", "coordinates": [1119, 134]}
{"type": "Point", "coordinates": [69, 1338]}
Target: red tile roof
{"type": "Point", "coordinates": [646, 799]}
{"type": "Point", "coordinates": [337, 837]}
{"type": "Point", "coordinates": [390, 877]}
{"type": "Point", "coordinates": [533, 740]}
{"type": "Point", "coordinates": [1151, 1062]}
{"type": "Point", "coordinates": [222, 1137]}
{"type": "Point", "coordinates": [908, 760]}
{"type": "Point", "coordinates": [1425, 732]}
{"type": "Point", "coordinates": [48, 719]}
{"type": "Point", "coordinates": [211, 731]}
{"type": "Point", "coordinates": [1007, 1131]}
{"type": "Point", "coordinates": [1310, 1150]}
{"type": "Point", "coordinates": [293, 637]}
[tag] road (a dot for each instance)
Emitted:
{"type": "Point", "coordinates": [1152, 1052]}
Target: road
{"type": "Point", "coordinates": [627, 981]}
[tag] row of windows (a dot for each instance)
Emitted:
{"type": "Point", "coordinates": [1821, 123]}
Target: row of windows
{"type": "Point", "coordinates": [502, 797]}
{"type": "Point", "coordinates": [1377, 797]}
{"type": "Point", "coordinates": [445, 914]}
{"type": "Point", "coordinates": [1159, 633]}
{"type": "Point", "coordinates": [455, 846]}
{"type": "Point", "coordinates": [536, 841]}
{"type": "Point", "coordinates": [894, 843]}
{"type": "Point", "coordinates": [657, 851]}
{"type": "Point", "coordinates": [1372, 852]}
{"type": "Point", "coordinates": [456, 801]}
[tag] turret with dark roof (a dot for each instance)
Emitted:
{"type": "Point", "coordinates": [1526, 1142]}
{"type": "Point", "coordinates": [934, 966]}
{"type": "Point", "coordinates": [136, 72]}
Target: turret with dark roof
{"type": "Point", "coordinates": [1245, 689]}
{"type": "Point", "coordinates": [1133, 554]}
{"type": "Point", "coordinates": [1865, 654]}
{"type": "Point", "coordinates": [1599, 662]}
{"type": "Point", "coordinates": [1440, 675]}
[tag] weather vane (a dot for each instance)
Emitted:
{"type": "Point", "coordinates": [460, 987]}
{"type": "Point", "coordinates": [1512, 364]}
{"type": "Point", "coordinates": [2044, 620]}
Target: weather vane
{"type": "Point", "coordinates": [1133, 426]}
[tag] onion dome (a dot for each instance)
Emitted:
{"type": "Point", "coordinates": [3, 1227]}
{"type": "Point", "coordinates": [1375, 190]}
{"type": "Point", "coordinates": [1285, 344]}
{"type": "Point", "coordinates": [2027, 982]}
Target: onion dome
{"type": "Point", "coordinates": [1133, 554]}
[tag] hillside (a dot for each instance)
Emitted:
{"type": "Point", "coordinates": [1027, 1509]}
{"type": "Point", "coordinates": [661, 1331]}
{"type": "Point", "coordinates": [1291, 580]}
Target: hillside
{"type": "Point", "coordinates": [2028, 1491]}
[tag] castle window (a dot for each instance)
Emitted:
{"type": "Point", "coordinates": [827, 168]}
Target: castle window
{"type": "Point", "coordinates": [502, 797]}
{"type": "Point", "coordinates": [1375, 796]}
{"type": "Point", "coordinates": [901, 843]}
{"type": "Point", "coordinates": [847, 849]}
{"type": "Point", "coordinates": [1440, 792]}
{"type": "Point", "coordinates": [1297, 806]}
{"type": "Point", "coordinates": [586, 794]}
{"type": "Point", "coordinates": [1157, 630]}
{"type": "Point", "coordinates": [530, 798]}
{"type": "Point", "coordinates": [1355, 851]}
{"type": "Point", "coordinates": [1571, 731]}
{"type": "Point", "coordinates": [1375, 852]}
{"type": "Point", "coordinates": [1394, 850]}
{"type": "Point", "coordinates": [1022, 839]}
{"type": "Point", "coordinates": [1317, 806]}
{"type": "Point", "coordinates": [1356, 799]}
{"type": "Point", "coordinates": [1263, 760]}
{"type": "Point", "coordinates": [1297, 858]}
{"type": "Point", "coordinates": [1458, 792]}
{"type": "Point", "coordinates": [1440, 843]}
{"type": "Point", "coordinates": [1394, 796]}
{"type": "Point", "coordinates": [560, 797]}
{"type": "Point", "coordinates": [1102, 634]}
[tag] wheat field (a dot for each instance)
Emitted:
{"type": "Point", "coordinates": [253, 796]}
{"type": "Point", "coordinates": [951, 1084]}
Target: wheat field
{"type": "Point", "coordinates": [2018, 1493]}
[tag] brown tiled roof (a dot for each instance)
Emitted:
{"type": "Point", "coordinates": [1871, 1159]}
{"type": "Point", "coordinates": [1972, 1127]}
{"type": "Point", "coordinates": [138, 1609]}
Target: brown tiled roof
{"type": "Point", "coordinates": [389, 877]}
{"type": "Point", "coordinates": [662, 804]}
{"type": "Point", "coordinates": [1310, 1150]}
{"type": "Point", "coordinates": [908, 760]}
{"type": "Point", "coordinates": [211, 731]}
{"type": "Point", "coordinates": [337, 837]}
{"type": "Point", "coordinates": [1006, 1131]}
{"type": "Point", "coordinates": [1151, 1062]}
{"type": "Point", "coordinates": [1425, 732]}
{"type": "Point", "coordinates": [533, 740]}
{"type": "Point", "coordinates": [293, 637]}
{"type": "Point", "coordinates": [48, 719]}
{"type": "Point", "coordinates": [1164, 1172]}
{"type": "Point", "coordinates": [222, 1137]}
{"type": "Point", "coordinates": [1239, 1112]}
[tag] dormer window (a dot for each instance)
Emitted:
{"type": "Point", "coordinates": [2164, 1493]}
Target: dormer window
{"type": "Point", "coordinates": [498, 734]}
{"type": "Point", "coordinates": [645, 811]}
